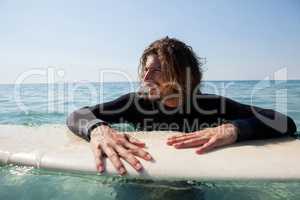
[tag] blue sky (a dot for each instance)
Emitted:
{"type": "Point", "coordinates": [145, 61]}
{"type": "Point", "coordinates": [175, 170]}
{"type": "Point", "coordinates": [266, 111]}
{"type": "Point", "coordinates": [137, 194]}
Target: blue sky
{"type": "Point", "coordinates": [240, 39]}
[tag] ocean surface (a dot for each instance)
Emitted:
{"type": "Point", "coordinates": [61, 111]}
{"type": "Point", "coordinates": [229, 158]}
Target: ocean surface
{"type": "Point", "coordinates": [39, 104]}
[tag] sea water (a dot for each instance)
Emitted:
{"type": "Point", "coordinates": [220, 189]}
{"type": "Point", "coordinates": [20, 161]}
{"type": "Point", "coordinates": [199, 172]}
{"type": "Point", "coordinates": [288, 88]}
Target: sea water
{"type": "Point", "coordinates": [39, 104]}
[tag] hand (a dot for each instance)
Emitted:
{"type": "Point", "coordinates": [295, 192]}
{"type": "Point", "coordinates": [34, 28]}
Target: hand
{"type": "Point", "coordinates": [207, 139]}
{"type": "Point", "coordinates": [106, 141]}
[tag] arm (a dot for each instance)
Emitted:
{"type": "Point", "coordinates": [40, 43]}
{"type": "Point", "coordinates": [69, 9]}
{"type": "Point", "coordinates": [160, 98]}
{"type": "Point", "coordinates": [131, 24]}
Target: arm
{"type": "Point", "coordinates": [243, 122]}
{"type": "Point", "coordinates": [257, 123]}
{"type": "Point", "coordinates": [87, 123]}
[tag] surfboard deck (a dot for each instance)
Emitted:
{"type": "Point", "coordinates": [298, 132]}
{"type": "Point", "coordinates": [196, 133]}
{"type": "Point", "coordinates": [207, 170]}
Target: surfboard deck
{"type": "Point", "coordinates": [55, 147]}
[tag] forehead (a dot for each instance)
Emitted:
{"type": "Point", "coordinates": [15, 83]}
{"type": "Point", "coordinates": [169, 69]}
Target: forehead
{"type": "Point", "coordinates": [152, 61]}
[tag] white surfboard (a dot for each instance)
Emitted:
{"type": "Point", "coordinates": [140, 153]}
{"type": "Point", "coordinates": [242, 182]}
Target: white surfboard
{"type": "Point", "coordinates": [55, 147]}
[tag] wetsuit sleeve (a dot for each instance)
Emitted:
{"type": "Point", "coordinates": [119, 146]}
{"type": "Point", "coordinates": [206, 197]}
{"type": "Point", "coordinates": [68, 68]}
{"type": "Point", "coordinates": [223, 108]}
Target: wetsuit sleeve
{"type": "Point", "coordinates": [258, 123]}
{"type": "Point", "coordinates": [82, 121]}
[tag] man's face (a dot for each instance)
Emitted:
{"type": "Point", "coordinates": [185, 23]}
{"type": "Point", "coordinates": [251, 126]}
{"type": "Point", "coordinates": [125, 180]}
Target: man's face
{"type": "Point", "coordinates": [151, 81]}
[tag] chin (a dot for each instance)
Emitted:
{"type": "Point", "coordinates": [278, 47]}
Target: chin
{"type": "Point", "coordinates": [153, 97]}
{"type": "Point", "coordinates": [149, 96]}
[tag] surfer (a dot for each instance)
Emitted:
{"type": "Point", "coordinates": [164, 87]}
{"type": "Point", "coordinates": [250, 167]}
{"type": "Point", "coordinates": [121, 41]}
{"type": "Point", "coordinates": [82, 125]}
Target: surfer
{"type": "Point", "coordinates": [170, 98]}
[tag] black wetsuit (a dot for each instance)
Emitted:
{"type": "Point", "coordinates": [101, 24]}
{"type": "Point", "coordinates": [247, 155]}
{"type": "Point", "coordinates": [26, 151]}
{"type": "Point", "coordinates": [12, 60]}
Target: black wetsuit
{"type": "Point", "coordinates": [204, 110]}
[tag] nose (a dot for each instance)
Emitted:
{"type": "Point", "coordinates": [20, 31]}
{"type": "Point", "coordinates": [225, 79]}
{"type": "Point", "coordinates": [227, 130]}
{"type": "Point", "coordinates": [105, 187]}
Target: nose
{"type": "Point", "coordinates": [148, 75]}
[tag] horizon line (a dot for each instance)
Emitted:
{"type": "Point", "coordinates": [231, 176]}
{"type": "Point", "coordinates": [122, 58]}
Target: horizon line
{"type": "Point", "coordinates": [83, 81]}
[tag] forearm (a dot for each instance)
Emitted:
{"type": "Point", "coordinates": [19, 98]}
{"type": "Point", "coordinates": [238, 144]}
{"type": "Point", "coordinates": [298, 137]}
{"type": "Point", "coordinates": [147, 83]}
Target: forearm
{"type": "Point", "coordinates": [254, 122]}
{"type": "Point", "coordinates": [267, 124]}
{"type": "Point", "coordinates": [82, 121]}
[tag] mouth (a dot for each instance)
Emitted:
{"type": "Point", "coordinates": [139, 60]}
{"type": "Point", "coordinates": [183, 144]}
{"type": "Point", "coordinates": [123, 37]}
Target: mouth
{"type": "Point", "coordinates": [149, 89]}
{"type": "Point", "coordinates": [150, 84]}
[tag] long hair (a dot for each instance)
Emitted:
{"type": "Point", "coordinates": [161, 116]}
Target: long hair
{"type": "Point", "coordinates": [180, 66]}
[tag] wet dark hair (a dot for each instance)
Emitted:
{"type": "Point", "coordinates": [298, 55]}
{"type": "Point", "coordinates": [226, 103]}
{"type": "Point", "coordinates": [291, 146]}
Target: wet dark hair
{"type": "Point", "coordinates": [178, 62]}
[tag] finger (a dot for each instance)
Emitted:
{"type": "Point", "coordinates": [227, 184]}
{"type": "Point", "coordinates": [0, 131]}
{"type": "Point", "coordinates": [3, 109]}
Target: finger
{"type": "Point", "coordinates": [190, 143]}
{"type": "Point", "coordinates": [115, 159]}
{"type": "Point", "coordinates": [98, 156]}
{"type": "Point", "coordinates": [99, 160]}
{"type": "Point", "coordinates": [178, 135]}
{"type": "Point", "coordinates": [207, 146]}
{"type": "Point", "coordinates": [137, 151]}
{"type": "Point", "coordinates": [129, 157]}
{"type": "Point", "coordinates": [134, 140]}
{"type": "Point", "coordinates": [181, 139]}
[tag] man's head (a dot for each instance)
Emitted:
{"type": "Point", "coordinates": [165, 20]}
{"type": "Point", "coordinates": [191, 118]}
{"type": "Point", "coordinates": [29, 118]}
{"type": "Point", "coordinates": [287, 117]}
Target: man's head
{"type": "Point", "coordinates": [169, 66]}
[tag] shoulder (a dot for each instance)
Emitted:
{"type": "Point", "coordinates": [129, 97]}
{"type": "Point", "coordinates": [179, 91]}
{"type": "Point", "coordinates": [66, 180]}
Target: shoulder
{"type": "Point", "coordinates": [206, 97]}
{"type": "Point", "coordinates": [206, 100]}
{"type": "Point", "coordinates": [133, 98]}
{"type": "Point", "coordinates": [127, 96]}
{"type": "Point", "coordinates": [211, 97]}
